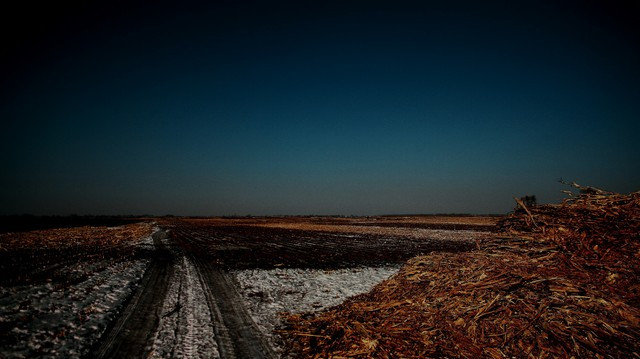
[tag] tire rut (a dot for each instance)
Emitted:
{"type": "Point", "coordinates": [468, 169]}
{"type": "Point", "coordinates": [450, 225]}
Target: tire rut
{"type": "Point", "coordinates": [236, 332]}
{"type": "Point", "coordinates": [131, 335]}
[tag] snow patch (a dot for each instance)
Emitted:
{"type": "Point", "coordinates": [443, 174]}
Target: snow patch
{"type": "Point", "coordinates": [185, 329]}
{"type": "Point", "coordinates": [50, 320]}
{"type": "Point", "coordinates": [267, 293]}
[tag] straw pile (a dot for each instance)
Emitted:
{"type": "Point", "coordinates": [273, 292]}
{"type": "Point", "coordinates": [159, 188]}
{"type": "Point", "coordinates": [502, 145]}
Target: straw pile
{"type": "Point", "coordinates": [562, 281]}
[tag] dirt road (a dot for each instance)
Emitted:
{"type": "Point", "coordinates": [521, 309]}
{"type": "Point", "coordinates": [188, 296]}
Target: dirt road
{"type": "Point", "coordinates": [133, 334]}
{"type": "Point", "coordinates": [236, 333]}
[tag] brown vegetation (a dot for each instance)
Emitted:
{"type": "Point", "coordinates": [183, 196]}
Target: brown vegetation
{"type": "Point", "coordinates": [562, 281]}
{"type": "Point", "coordinates": [52, 254]}
{"type": "Point", "coordinates": [78, 236]}
{"type": "Point", "coordinates": [417, 227]}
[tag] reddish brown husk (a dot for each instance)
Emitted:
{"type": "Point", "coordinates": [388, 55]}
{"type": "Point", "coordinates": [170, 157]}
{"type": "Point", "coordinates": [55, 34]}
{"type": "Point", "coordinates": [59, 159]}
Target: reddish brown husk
{"type": "Point", "coordinates": [559, 281]}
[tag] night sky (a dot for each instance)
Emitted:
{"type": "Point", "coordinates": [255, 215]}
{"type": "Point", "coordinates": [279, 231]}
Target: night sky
{"type": "Point", "coordinates": [315, 107]}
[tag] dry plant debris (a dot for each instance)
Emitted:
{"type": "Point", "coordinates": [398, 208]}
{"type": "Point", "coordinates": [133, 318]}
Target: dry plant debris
{"type": "Point", "coordinates": [78, 236]}
{"type": "Point", "coordinates": [64, 255]}
{"type": "Point", "coordinates": [560, 281]}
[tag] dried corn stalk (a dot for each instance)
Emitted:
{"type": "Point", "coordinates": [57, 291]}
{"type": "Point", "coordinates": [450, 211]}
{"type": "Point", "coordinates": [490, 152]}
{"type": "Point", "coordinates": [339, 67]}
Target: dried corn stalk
{"type": "Point", "coordinates": [560, 281]}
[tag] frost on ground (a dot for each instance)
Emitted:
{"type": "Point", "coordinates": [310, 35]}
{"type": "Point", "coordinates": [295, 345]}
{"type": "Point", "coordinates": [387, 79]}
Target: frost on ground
{"type": "Point", "coordinates": [55, 321]}
{"type": "Point", "coordinates": [185, 329]}
{"type": "Point", "coordinates": [64, 319]}
{"type": "Point", "coordinates": [267, 293]}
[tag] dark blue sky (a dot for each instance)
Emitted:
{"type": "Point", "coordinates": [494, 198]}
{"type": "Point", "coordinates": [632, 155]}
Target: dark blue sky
{"type": "Point", "coordinates": [326, 108]}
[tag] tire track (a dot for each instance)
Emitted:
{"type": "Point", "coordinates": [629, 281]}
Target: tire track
{"type": "Point", "coordinates": [236, 333]}
{"type": "Point", "coordinates": [185, 329]}
{"type": "Point", "coordinates": [131, 335]}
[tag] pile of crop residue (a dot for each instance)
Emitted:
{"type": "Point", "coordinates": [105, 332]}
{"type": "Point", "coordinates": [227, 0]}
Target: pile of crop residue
{"type": "Point", "coordinates": [562, 281]}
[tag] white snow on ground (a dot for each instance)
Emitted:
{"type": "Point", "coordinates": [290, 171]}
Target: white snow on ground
{"type": "Point", "coordinates": [185, 329]}
{"type": "Point", "coordinates": [267, 293]}
{"type": "Point", "coordinates": [50, 321]}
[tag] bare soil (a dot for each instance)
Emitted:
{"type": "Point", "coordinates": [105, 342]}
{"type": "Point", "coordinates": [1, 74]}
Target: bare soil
{"type": "Point", "coordinates": [317, 243]}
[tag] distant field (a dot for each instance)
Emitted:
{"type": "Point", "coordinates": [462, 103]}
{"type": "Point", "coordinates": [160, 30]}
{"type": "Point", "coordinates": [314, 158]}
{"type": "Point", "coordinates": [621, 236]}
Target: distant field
{"type": "Point", "coordinates": [355, 224]}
